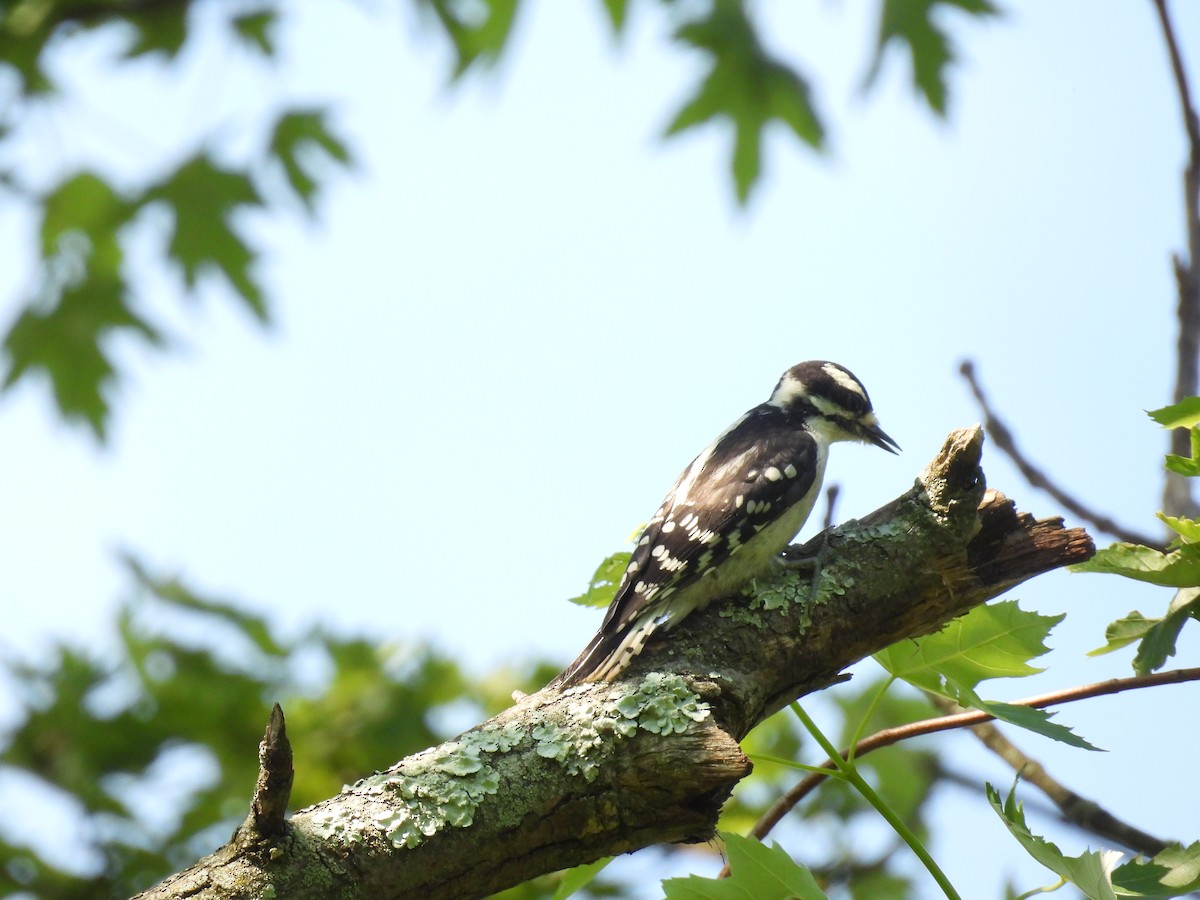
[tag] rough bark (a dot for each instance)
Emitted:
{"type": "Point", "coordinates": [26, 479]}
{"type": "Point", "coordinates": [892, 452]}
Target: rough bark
{"type": "Point", "coordinates": [563, 778]}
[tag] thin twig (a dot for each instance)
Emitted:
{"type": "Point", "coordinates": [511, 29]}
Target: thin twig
{"type": "Point", "coordinates": [1002, 437]}
{"type": "Point", "coordinates": [889, 736]}
{"type": "Point", "coordinates": [1191, 121]}
{"type": "Point", "coordinates": [1177, 494]}
{"type": "Point", "coordinates": [1076, 809]}
{"type": "Point", "coordinates": [831, 497]}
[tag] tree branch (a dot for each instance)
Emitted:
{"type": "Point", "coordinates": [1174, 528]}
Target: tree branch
{"type": "Point", "coordinates": [1177, 494]}
{"type": "Point", "coordinates": [971, 719]}
{"type": "Point", "coordinates": [1004, 441]}
{"type": "Point", "coordinates": [566, 777]}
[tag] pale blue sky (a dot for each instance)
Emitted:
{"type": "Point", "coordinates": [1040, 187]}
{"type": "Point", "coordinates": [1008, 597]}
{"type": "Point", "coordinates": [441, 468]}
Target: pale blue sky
{"type": "Point", "coordinates": [524, 313]}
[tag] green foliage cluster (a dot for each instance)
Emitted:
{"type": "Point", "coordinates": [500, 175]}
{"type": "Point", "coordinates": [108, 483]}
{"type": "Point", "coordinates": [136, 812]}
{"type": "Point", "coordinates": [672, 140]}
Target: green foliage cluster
{"type": "Point", "coordinates": [102, 731]}
{"type": "Point", "coordinates": [1176, 567]}
{"type": "Point", "coordinates": [87, 298]}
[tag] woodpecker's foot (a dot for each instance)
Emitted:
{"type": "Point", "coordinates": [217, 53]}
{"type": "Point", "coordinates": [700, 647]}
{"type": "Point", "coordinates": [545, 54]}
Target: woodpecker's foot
{"type": "Point", "coordinates": [811, 563]}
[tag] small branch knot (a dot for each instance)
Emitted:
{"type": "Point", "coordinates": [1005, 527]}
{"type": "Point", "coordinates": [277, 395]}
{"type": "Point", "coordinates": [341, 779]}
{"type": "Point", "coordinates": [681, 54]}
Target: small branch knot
{"type": "Point", "coordinates": [275, 775]}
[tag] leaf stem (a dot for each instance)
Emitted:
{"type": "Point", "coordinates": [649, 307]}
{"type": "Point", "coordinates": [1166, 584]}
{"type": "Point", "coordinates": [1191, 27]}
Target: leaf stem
{"type": "Point", "coordinates": [852, 775]}
{"type": "Point", "coordinates": [1044, 889]}
{"type": "Point", "coordinates": [792, 764]}
{"type": "Point", "coordinates": [862, 725]}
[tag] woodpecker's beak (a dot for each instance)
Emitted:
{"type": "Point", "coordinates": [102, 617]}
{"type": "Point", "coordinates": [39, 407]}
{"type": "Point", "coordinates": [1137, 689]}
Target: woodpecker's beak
{"type": "Point", "coordinates": [873, 434]}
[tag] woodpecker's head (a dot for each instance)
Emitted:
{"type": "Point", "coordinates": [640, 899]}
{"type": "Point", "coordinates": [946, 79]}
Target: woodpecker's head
{"type": "Point", "coordinates": [830, 401]}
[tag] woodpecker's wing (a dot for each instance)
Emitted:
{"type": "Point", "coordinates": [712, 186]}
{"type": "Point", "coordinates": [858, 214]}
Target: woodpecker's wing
{"type": "Point", "coordinates": [758, 469]}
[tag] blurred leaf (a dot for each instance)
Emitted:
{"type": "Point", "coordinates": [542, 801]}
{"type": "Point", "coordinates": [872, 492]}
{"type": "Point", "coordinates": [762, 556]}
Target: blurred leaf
{"type": "Point", "coordinates": [618, 14]}
{"type": "Point", "coordinates": [24, 34]}
{"type": "Point", "coordinates": [204, 199]}
{"type": "Point", "coordinates": [1089, 872]}
{"type": "Point", "coordinates": [158, 28]}
{"type": "Point", "coordinates": [298, 133]}
{"type": "Point", "coordinates": [479, 30]}
{"type": "Point", "coordinates": [257, 29]}
{"type": "Point", "coordinates": [995, 640]}
{"type": "Point", "coordinates": [604, 581]}
{"type": "Point", "coordinates": [67, 344]}
{"type": "Point", "coordinates": [83, 301]}
{"type": "Point", "coordinates": [880, 885]}
{"type": "Point", "coordinates": [1184, 414]}
{"type": "Point", "coordinates": [905, 773]}
{"type": "Point", "coordinates": [913, 24]}
{"type": "Point", "coordinates": [576, 879]}
{"type": "Point", "coordinates": [95, 729]}
{"type": "Point", "coordinates": [173, 592]}
{"type": "Point", "coordinates": [1157, 636]}
{"type": "Point", "coordinates": [746, 86]}
{"type": "Point", "coordinates": [755, 871]}
{"type": "Point", "coordinates": [86, 203]}
{"type": "Point", "coordinates": [1179, 568]}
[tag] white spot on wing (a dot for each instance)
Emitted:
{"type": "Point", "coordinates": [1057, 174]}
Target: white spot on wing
{"type": "Point", "coordinates": [772, 474]}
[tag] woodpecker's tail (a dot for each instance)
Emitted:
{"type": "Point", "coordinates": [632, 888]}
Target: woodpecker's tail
{"type": "Point", "coordinates": [607, 654]}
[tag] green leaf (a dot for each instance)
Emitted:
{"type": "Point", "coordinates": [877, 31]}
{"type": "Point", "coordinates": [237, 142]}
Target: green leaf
{"type": "Point", "coordinates": [25, 32]}
{"type": "Point", "coordinates": [296, 135]}
{"type": "Point", "coordinates": [159, 28]}
{"type": "Point", "coordinates": [479, 31]}
{"type": "Point", "coordinates": [913, 24]}
{"type": "Point", "coordinates": [1089, 872]}
{"type": "Point", "coordinates": [1189, 468]}
{"type": "Point", "coordinates": [1172, 873]}
{"type": "Point", "coordinates": [1157, 636]}
{"type": "Point", "coordinates": [576, 879]}
{"type": "Point", "coordinates": [1179, 568]}
{"type": "Point", "coordinates": [755, 871]}
{"type": "Point", "coordinates": [66, 343]}
{"type": "Point", "coordinates": [618, 14]}
{"type": "Point", "coordinates": [992, 641]}
{"type": "Point", "coordinates": [257, 29]}
{"type": "Point", "coordinates": [1124, 632]}
{"type": "Point", "coordinates": [84, 300]}
{"type": "Point", "coordinates": [604, 581]}
{"type": "Point", "coordinates": [85, 203]}
{"type": "Point", "coordinates": [1187, 529]}
{"type": "Point", "coordinates": [204, 199]}
{"type": "Point", "coordinates": [1184, 414]}
{"type": "Point", "coordinates": [1035, 720]}
{"type": "Point", "coordinates": [747, 87]}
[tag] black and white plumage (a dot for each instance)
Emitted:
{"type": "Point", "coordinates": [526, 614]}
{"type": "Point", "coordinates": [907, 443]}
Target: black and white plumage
{"type": "Point", "coordinates": [732, 511]}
